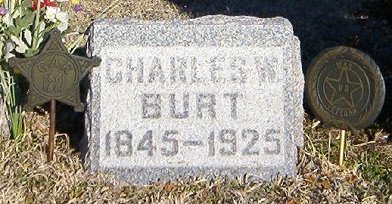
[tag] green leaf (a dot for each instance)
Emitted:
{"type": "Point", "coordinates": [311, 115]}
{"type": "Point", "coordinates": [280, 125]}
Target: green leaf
{"type": "Point", "coordinates": [26, 4]}
{"type": "Point", "coordinates": [12, 30]}
{"type": "Point", "coordinates": [46, 30]}
{"type": "Point", "coordinates": [23, 22]}
{"type": "Point", "coordinates": [30, 16]}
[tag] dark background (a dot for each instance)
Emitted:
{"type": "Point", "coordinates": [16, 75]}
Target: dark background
{"type": "Point", "coordinates": [319, 24]}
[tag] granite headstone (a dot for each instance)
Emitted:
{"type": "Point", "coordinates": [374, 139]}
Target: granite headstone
{"type": "Point", "coordinates": [210, 96]}
{"type": "Point", "coordinates": [4, 120]}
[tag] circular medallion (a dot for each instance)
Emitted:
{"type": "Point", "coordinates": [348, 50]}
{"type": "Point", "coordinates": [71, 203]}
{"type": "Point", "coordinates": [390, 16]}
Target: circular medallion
{"type": "Point", "coordinates": [344, 88]}
{"type": "Point", "coordinates": [54, 74]}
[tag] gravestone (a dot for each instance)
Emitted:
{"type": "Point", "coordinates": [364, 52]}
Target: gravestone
{"type": "Point", "coordinates": [4, 120]}
{"type": "Point", "coordinates": [211, 96]}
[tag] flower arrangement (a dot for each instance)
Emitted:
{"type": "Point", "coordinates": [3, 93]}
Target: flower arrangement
{"type": "Point", "coordinates": [23, 26]}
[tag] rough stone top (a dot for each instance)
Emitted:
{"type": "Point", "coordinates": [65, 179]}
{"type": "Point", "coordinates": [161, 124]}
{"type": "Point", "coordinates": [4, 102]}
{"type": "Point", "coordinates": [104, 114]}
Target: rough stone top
{"type": "Point", "coordinates": [221, 31]}
{"type": "Point", "coordinates": [205, 20]}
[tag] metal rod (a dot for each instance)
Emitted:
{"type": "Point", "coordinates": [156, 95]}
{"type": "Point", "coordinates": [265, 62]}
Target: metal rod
{"type": "Point", "coordinates": [342, 146]}
{"type": "Point", "coordinates": [52, 129]}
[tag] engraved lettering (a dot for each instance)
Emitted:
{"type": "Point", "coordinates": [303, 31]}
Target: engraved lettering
{"type": "Point", "coordinates": [112, 75]}
{"type": "Point", "coordinates": [211, 144]}
{"type": "Point", "coordinates": [217, 64]}
{"type": "Point", "coordinates": [270, 138]}
{"type": "Point", "coordinates": [237, 65]}
{"type": "Point", "coordinates": [233, 104]}
{"type": "Point", "coordinates": [146, 143]}
{"type": "Point", "coordinates": [343, 65]}
{"type": "Point", "coordinates": [266, 68]}
{"type": "Point", "coordinates": [53, 83]}
{"type": "Point", "coordinates": [156, 72]}
{"type": "Point", "coordinates": [254, 138]}
{"type": "Point", "coordinates": [178, 67]}
{"type": "Point", "coordinates": [66, 68]}
{"type": "Point", "coordinates": [206, 101]}
{"type": "Point", "coordinates": [194, 70]}
{"type": "Point", "coordinates": [123, 143]}
{"type": "Point", "coordinates": [52, 88]}
{"type": "Point", "coordinates": [151, 105]}
{"type": "Point", "coordinates": [176, 113]}
{"type": "Point", "coordinates": [193, 143]}
{"type": "Point", "coordinates": [135, 66]}
{"type": "Point", "coordinates": [228, 137]}
{"type": "Point", "coordinates": [58, 78]}
{"type": "Point", "coordinates": [169, 137]}
{"type": "Point", "coordinates": [107, 144]}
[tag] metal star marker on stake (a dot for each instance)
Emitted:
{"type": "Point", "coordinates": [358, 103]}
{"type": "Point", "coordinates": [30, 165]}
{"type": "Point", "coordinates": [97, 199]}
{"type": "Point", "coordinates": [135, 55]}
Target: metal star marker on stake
{"type": "Point", "coordinates": [54, 75]}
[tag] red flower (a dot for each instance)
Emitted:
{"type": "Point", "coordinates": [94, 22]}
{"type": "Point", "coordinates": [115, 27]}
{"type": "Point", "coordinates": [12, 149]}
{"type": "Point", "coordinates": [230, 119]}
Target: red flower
{"type": "Point", "coordinates": [43, 4]}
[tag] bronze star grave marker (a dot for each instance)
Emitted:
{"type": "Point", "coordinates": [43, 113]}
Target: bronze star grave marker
{"type": "Point", "coordinates": [54, 75]}
{"type": "Point", "coordinates": [345, 89]}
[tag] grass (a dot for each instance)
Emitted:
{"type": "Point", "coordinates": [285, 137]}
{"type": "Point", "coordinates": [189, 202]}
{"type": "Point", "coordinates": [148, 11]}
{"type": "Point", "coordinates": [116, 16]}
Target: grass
{"type": "Point", "coordinates": [12, 96]}
{"type": "Point", "coordinates": [26, 177]}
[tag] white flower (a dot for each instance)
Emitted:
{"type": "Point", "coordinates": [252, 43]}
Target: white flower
{"type": "Point", "coordinates": [54, 14]}
{"type": "Point", "coordinates": [63, 26]}
{"type": "Point", "coordinates": [61, 1]}
{"type": "Point", "coordinates": [51, 13]}
{"type": "Point", "coordinates": [63, 18]}
{"type": "Point", "coordinates": [7, 20]}
{"type": "Point", "coordinates": [8, 49]}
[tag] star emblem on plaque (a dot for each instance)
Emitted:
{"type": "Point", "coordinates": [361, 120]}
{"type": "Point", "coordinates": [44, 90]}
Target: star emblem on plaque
{"type": "Point", "coordinates": [54, 74]}
{"type": "Point", "coordinates": [345, 88]}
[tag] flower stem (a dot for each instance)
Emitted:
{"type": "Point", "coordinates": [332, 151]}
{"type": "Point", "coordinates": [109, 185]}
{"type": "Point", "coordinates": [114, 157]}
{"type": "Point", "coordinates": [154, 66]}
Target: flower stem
{"type": "Point", "coordinates": [20, 6]}
{"type": "Point", "coordinates": [36, 26]}
{"type": "Point", "coordinates": [10, 10]}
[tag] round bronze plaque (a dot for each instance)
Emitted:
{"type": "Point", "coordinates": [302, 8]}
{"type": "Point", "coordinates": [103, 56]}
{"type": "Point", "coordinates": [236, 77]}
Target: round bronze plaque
{"type": "Point", "coordinates": [345, 88]}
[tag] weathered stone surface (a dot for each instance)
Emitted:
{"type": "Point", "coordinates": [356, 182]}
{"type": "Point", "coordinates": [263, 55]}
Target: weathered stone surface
{"type": "Point", "coordinates": [215, 95]}
{"type": "Point", "coordinates": [4, 121]}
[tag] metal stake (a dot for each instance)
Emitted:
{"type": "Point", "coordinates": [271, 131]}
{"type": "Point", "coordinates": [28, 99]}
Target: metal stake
{"type": "Point", "coordinates": [52, 130]}
{"type": "Point", "coordinates": [342, 146]}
